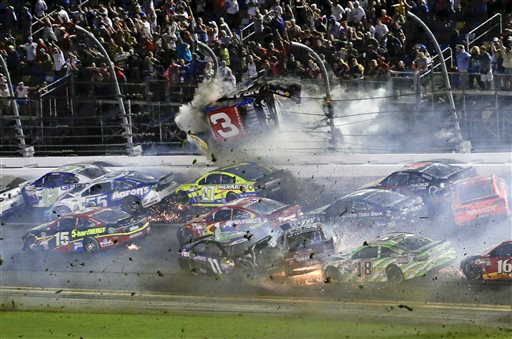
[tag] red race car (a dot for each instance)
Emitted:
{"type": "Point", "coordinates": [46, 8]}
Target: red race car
{"type": "Point", "coordinates": [241, 215]}
{"type": "Point", "coordinates": [494, 264]}
{"type": "Point", "coordinates": [86, 231]}
{"type": "Point", "coordinates": [480, 197]}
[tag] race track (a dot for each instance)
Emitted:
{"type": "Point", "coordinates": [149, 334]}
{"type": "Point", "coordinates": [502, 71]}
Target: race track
{"type": "Point", "coordinates": [149, 278]}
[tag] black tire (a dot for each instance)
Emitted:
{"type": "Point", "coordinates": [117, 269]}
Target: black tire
{"type": "Point", "coordinates": [182, 197]}
{"type": "Point", "coordinates": [394, 274]}
{"type": "Point", "coordinates": [231, 196]}
{"type": "Point", "coordinates": [332, 275]}
{"type": "Point", "coordinates": [30, 243]}
{"type": "Point", "coordinates": [59, 211]}
{"type": "Point", "coordinates": [132, 205]}
{"type": "Point", "coordinates": [184, 236]}
{"type": "Point", "coordinates": [472, 272]}
{"type": "Point", "coordinates": [91, 245]}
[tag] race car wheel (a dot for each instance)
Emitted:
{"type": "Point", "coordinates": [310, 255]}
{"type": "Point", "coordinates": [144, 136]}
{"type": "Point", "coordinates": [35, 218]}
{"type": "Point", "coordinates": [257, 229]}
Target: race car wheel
{"type": "Point", "coordinates": [332, 275]}
{"type": "Point", "coordinates": [132, 205]}
{"type": "Point", "coordinates": [182, 197]}
{"type": "Point", "coordinates": [472, 272]}
{"type": "Point", "coordinates": [59, 212]}
{"type": "Point", "coordinates": [231, 196]}
{"type": "Point", "coordinates": [30, 243]}
{"type": "Point", "coordinates": [394, 274]}
{"type": "Point", "coordinates": [91, 245]}
{"type": "Point", "coordinates": [185, 236]}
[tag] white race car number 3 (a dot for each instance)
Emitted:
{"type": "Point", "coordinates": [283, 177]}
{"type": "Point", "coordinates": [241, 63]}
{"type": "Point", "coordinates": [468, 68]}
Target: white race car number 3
{"type": "Point", "coordinates": [228, 129]}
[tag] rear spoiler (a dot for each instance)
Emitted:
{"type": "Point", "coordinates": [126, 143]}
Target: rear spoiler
{"type": "Point", "coordinates": [166, 181]}
{"type": "Point", "coordinates": [463, 173]}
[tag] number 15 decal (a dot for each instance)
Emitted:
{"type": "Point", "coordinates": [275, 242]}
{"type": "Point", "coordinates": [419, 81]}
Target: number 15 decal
{"type": "Point", "coordinates": [228, 129]}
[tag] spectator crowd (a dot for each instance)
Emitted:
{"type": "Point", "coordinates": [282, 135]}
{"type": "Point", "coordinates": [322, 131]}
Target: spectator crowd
{"type": "Point", "coordinates": [366, 40]}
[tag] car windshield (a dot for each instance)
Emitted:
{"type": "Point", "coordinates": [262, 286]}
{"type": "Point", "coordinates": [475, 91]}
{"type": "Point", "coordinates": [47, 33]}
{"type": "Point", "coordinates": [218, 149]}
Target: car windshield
{"type": "Point", "coordinates": [384, 198]}
{"type": "Point", "coordinates": [413, 243]}
{"type": "Point", "coordinates": [306, 239]}
{"type": "Point", "coordinates": [76, 189]}
{"type": "Point", "coordinates": [266, 206]}
{"type": "Point", "coordinates": [141, 177]}
{"type": "Point", "coordinates": [440, 170]}
{"type": "Point", "coordinates": [93, 172]}
{"type": "Point", "coordinates": [248, 172]}
{"type": "Point", "coordinates": [111, 216]}
{"type": "Point", "coordinates": [470, 192]}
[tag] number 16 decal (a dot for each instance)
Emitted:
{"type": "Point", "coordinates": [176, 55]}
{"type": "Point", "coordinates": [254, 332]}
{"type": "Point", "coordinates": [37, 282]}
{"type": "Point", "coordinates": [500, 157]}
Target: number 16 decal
{"type": "Point", "coordinates": [504, 266]}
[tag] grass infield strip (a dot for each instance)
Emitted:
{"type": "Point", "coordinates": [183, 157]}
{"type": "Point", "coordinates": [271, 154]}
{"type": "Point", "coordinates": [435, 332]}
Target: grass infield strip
{"type": "Point", "coordinates": [21, 324]}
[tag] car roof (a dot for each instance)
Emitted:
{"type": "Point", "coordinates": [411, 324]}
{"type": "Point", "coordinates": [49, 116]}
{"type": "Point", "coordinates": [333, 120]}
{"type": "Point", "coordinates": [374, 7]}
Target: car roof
{"type": "Point", "coordinates": [308, 227]}
{"type": "Point", "coordinates": [74, 168]}
{"type": "Point", "coordinates": [367, 193]}
{"type": "Point", "coordinates": [428, 167]}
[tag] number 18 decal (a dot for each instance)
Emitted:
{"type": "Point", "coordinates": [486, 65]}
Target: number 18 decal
{"type": "Point", "coordinates": [504, 266]}
{"type": "Point", "coordinates": [364, 268]}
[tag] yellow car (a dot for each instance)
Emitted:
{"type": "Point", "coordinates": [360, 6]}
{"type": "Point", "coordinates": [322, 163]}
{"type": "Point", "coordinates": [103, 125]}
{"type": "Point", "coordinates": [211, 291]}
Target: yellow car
{"type": "Point", "coordinates": [225, 184]}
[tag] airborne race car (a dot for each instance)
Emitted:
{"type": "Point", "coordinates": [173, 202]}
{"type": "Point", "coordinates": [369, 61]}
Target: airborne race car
{"type": "Point", "coordinates": [493, 264]}
{"type": "Point", "coordinates": [87, 231]}
{"type": "Point", "coordinates": [245, 113]}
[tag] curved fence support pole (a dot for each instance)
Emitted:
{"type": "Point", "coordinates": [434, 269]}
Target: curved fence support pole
{"type": "Point", "coordinates": [207, 50]}
{"type": "Point", "coordinates": [24, 150]}
{"type": "Point", "coordinates": [126, 123]}
{"type": "Point", "coordinates": [446, 77]}
{"type": "Point", "coordinates": [328, 106]}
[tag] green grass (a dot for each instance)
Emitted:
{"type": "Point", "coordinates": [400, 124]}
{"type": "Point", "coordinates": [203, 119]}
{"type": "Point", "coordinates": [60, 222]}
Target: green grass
{"type": "Point", "coordinates": [40, 325]}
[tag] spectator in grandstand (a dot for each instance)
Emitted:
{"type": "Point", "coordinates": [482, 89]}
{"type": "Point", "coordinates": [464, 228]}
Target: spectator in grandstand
{"type": "Point", "coordinates": [209, 71]}
{"type": "Point", "coordinates": [40, 8]}
{"type": "Point", "coordinates": [4, 95]}
{"type": "Point", "coordinates": [462, 60]}
{"type": "Point", "coordinates": [30, 49]}
{"type": "Point", "coordinates": [21, 94]}
{"type": "Point", "coordinates": [506, 51]}
{"type": "Point", "coordinates": [474, 68]}
{"type": "Point", "coordinates": [485, 63]}
{"type": "Point", "coordinates": [228, 81]}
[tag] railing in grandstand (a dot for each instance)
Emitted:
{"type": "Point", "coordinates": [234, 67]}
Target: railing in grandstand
{"type": "Point", "coordinates": [248, 30]}
{"type": "Point", "coordinates": [40, 20]}
{"type": "Point", "coordinates": [471, 36]}
{"type": "Point", "coordinates": [92, 127]}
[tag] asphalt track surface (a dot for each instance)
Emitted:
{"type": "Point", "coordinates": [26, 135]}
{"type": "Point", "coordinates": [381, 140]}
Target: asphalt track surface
{"type": "Point", "coordinates": [150, 279]}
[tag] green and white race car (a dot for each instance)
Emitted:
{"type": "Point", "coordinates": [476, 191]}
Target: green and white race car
{"type": "Point", "coordinates": [394, 258]}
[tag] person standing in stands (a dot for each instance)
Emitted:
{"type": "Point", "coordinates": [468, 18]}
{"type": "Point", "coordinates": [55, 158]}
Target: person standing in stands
{"type": "Point", "coordinates": [462, 58]}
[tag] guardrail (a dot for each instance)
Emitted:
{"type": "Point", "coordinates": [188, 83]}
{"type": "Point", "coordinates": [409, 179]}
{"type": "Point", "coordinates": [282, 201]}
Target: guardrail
{"type": "Point", "coordinates": [470, 36]}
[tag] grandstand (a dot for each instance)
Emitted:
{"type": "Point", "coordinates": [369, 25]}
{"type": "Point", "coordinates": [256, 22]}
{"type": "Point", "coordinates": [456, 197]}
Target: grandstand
{"type": "Point", "coordinates": [64, 99]}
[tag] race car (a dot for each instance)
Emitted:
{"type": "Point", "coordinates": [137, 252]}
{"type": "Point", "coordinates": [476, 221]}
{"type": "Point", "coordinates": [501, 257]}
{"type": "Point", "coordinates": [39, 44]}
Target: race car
{"type": "Point", "coordinates": [229, 183]}
{"type": "Point", "coordinates": [424, 178]}
{"type": "Point", "coordinates": [372, 208]}
{"type": "Point", "coordinates": [480, 198]}
{"type": "Point", "coordinates": [241, 215]}
{"type": "Point", "coordinates": [88, 231]}
{"type": "Point", "coordinates": [46, 190]}
{"type": "Point", "coordinates": [248, 112]}
{"type": "Point", "coordinates": [393, 258]}
{"type": "Point", "coordinates": [494, 263]}
{"type": "Point", "coordinates": [10, 194]}
{"type": "Point", "coordinates": [233, 254]}
{"type": "Point", "coordinates": [131, 190]}
{"type": "Point", "coordinates": [305, 248]}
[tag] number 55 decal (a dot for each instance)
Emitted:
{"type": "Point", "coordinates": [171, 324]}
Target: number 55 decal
{"type": "Point", "coordinates": [100, 200]}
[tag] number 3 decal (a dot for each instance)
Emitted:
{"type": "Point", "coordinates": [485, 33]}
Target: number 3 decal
{"type": "Point", "coordinates": [228, 130]}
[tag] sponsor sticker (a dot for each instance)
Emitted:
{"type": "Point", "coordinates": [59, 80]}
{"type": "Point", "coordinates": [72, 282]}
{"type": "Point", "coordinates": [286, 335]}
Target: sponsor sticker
{"type": "Point", "coordinates": [92, 231]}
{"type": "Point", "coordinates": [106, 242]}
{"type": "Point", "coordinates": [136, 191]}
